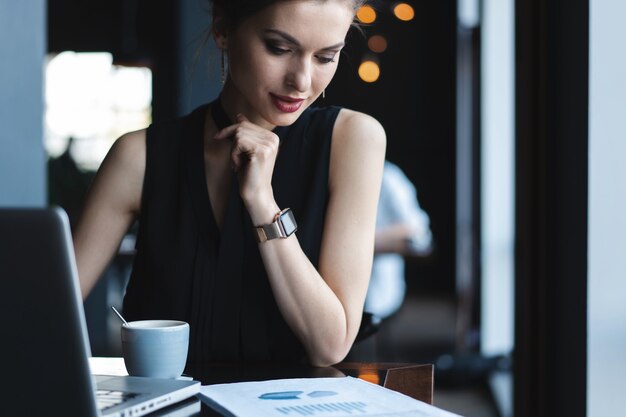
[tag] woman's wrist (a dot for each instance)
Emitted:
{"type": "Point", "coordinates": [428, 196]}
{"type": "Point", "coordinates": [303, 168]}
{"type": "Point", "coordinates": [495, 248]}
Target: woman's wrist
{"type": "Point", "coordinates": [262, 211]}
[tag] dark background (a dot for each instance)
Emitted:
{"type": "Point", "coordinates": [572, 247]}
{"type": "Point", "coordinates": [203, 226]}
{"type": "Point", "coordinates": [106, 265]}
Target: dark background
{"type": "Point", "coordinates": [414, 99]}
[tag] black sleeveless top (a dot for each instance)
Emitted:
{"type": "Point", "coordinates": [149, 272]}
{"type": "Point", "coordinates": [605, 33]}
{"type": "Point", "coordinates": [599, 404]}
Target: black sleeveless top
{"type": "Point", "coordinates": [186, 269]}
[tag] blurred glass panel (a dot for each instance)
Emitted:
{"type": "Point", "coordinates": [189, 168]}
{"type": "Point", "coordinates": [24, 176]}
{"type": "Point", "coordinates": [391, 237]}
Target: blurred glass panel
{"type": "Point", "coordinates": [89, 99]}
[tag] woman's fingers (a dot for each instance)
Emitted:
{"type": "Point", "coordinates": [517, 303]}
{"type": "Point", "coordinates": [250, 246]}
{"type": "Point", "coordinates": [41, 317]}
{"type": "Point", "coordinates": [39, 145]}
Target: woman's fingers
{"type": "Point", "coordinates": [252, 146]}
{"type": "Point", "coordinates": [227, 132]}
{"type": "Point", "coordinates": [253, 155]}
{"type": "Point", "coordinates": [249, 141]}
{"type": "Point", "coordinates": [243, 128]}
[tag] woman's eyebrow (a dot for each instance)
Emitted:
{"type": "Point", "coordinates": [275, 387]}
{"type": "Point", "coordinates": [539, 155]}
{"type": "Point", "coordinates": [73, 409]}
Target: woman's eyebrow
{"type": "Point", "coordinates": [294, 41]}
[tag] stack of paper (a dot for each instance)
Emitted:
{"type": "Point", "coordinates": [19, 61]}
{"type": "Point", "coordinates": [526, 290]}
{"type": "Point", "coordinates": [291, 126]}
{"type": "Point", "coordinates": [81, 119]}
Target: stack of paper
{"type": "Point", "coordinates": [327, 397]}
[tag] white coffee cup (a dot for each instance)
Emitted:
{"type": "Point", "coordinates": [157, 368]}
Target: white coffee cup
{"type": "Point", "coordinates": [155, 348]}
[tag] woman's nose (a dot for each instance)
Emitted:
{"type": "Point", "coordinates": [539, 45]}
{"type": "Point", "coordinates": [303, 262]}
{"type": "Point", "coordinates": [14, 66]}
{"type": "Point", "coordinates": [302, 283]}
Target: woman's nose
{"type": "Point", "coordinates": [299, 76]}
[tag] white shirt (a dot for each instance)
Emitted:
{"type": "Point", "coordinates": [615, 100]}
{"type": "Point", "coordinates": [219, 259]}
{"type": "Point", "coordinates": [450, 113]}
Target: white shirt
{"type": "Point", "coordinates": [397, 204]}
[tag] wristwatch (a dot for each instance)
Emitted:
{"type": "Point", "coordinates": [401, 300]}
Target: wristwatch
{"type": "Point", "coordinates": [283, 226]}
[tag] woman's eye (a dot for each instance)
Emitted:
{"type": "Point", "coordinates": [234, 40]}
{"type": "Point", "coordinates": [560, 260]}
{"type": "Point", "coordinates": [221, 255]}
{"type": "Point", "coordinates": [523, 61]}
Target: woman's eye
{"type": "Point", "coordinates": [276, 50]}
{"type": "Point", "coordinates": [326, 59]}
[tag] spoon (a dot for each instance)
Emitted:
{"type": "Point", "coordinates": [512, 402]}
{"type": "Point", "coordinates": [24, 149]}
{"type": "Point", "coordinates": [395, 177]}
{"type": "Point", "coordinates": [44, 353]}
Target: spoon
{"type": "Point", "coordinates": [120, 316]}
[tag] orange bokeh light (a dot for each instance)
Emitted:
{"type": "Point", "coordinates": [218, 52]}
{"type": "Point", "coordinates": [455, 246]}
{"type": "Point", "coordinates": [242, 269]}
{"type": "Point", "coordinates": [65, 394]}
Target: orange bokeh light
{"type": "Point", "coordinates": [366, 14]}
{"type": "Point", "coordinates": [369, 71]}
{"type": "Point", "coordinates": [369, 376]}
{"type": "Point", "coordinates": [404, 12]}
{"type": "Point", "coordinates": [377, 43]}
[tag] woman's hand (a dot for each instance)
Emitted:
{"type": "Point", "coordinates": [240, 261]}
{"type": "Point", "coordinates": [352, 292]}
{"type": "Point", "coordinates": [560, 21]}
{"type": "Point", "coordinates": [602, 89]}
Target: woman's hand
{"type": "Point", "coordinates": [253, 155]}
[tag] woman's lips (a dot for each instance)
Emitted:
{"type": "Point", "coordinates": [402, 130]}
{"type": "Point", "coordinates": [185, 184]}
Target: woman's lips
{"type": "Point", "coordinates": [286, 104]}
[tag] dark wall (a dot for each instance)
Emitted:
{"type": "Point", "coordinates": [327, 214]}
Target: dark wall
{"type": "Point", "coordinates": [414, 99]}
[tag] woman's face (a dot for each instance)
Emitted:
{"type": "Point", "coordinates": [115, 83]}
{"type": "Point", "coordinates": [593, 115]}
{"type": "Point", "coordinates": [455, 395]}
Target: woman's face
{"type": "Point", "coordinates": [282, 58]}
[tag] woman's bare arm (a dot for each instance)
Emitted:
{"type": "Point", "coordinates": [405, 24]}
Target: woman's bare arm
{"type": "Point", "coordinates": [112, 204]}
{"type": "Point", "coordinates": [324, 307]}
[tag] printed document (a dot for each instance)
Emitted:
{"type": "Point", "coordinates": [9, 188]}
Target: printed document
{"type": "Point", "coordinates": [324, 397]}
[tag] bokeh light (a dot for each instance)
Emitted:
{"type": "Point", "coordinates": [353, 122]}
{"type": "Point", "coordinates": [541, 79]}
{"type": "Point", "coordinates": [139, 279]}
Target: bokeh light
{"type": "Point", "coordinates": [369, 376]}
{"type": "Point", "coordinates": [369, 71]}
{"type": "Point", "coordinates": [404, 12]}
{"type": "Point", "coordinates": [366, 14]}
{"type": "Point", "coordinates": [377, 43]}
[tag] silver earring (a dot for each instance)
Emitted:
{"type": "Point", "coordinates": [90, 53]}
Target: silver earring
{"type": "Point", "coordinates": [324, 93]}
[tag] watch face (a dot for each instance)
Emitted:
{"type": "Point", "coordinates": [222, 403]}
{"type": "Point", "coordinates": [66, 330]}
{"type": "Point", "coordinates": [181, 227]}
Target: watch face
{"type": "Point", "coordinates": [289, 222]}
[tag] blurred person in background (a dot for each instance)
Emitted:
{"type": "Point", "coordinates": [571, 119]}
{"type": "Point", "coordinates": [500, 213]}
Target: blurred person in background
{"type": "Point", "coordinates": [402, 230]}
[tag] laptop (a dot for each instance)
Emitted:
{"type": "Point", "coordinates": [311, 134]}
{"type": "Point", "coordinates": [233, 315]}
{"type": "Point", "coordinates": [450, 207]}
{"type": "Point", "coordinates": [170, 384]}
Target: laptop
{"type": "Point", "coordinates": [44, 346]}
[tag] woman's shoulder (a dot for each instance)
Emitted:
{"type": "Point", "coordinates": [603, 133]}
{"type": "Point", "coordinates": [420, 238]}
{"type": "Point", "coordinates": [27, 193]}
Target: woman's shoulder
{"type": "Point", "coordinates": [357, 155]}
{"type": "Point", "coordinates": [359, 143]}
{"type": "Point", "coordinates": [359, 128]}
{"type": "Point", "coordinates": [128, 153]}
{"type": "Point", "coordinates": [356, 117]}
{"type": "Point", "coordinates": [130, 144]}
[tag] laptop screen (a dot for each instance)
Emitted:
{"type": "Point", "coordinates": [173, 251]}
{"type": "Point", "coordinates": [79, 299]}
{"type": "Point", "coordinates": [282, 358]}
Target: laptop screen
{"type": "Point", "coordinates": [44, 347]}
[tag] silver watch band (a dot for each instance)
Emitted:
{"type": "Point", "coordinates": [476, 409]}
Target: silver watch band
{"type": "Point", "coordinates": [268, 232]}
{"type": "Point", "coordinates": [283, 226]}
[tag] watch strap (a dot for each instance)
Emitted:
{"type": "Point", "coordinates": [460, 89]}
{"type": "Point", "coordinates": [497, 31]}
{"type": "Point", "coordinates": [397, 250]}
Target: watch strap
{"type": "Point", "coordinates": [276, 229]}
{"type": "Point", "coordinates": [268, 232]}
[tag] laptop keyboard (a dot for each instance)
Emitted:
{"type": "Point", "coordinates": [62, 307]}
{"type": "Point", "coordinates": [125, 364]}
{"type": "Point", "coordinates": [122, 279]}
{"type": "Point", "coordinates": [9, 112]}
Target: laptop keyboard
{"type": "Point", "coordinates": [107, 399]}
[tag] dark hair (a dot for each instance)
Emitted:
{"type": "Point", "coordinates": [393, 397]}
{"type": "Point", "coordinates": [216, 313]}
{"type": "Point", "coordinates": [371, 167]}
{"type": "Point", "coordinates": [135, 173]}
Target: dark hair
{"type": "Point", "coordinates": [234, 11]}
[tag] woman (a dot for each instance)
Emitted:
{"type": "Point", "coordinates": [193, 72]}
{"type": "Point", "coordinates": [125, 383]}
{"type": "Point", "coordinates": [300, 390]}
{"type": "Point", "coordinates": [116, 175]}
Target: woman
{"type": "Point", "coordinates": [214, 246]}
